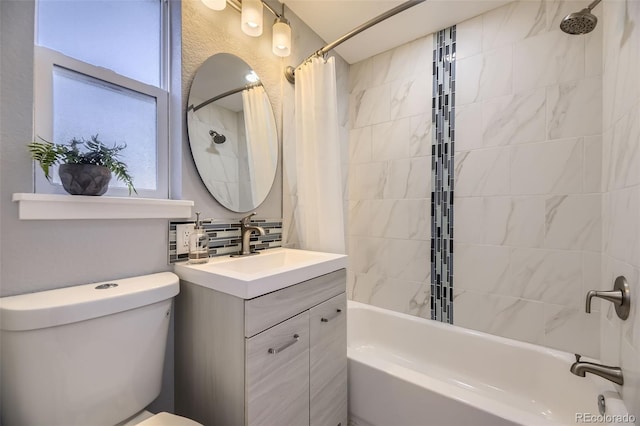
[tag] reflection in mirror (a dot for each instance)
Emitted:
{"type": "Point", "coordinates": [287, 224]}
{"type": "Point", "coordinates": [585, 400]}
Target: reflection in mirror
{"type": "Point", "coordinates": [232, 132]}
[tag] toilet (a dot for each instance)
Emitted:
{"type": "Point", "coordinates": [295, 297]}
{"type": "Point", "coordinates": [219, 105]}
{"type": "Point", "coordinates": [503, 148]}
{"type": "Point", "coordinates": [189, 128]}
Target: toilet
{"type": "Point", "coordinates": [87, 355]}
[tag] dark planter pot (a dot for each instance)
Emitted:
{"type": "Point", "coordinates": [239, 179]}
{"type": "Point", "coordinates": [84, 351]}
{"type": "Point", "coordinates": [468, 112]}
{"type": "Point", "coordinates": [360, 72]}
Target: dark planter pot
{"type": "Point", "coordinates": [84, 179]}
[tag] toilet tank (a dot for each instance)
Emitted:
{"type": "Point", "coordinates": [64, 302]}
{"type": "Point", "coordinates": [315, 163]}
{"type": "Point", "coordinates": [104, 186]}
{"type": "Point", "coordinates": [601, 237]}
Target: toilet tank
{"type": "Point", "coordinates": [86, 355]}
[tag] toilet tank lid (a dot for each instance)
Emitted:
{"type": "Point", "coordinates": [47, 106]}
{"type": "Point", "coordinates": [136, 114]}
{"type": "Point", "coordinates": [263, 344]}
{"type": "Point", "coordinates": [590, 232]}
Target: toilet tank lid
{"type": "Point", "coordinates": [78, 303]}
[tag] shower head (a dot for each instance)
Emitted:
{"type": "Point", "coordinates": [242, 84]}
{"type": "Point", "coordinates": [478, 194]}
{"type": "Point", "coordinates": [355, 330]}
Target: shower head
{"type": "Point", "coordinates": [217, 137]}
{"type": "Point", "coordinates": [579, 22]}
{"type": "Point", "coordinates": [582, 22]}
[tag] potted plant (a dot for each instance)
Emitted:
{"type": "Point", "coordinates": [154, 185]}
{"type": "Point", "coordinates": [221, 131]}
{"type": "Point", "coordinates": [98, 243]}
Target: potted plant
{"type": "Point", "coordinates": [85, 165]}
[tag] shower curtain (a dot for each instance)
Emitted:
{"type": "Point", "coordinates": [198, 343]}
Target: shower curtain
{"type": "Point", "coordinates": [262, 156]}
{"type": "Point", "coordinates": [320, 222]}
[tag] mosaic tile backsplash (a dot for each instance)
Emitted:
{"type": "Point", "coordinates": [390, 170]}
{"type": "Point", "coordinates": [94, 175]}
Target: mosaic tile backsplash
{"type": "Point", "coordinates": [442, 179]}
{"type": "Point", "coordinates": [225, 239]}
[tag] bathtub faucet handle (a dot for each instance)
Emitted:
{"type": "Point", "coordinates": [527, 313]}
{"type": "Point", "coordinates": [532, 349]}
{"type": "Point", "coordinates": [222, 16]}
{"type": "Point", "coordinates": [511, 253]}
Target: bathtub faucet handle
{"type": "Point", "coordinates": [619, 296]}
{"type": "Point", "coordinates": [578, 356]}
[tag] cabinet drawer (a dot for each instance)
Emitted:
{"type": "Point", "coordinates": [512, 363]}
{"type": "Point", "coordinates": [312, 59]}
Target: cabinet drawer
{"type": "Point", "coordinates": [277, 374]}
{"type": "Point", "coordinates": [328, 362]}
{"type": "Point", "coordinates": [270, 309]}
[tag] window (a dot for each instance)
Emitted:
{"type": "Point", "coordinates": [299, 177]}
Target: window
{"type": "Point", "coordinates": [100, 68]}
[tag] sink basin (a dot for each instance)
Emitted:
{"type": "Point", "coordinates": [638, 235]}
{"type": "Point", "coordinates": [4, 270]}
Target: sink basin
{"type": "Point", "coordinates": [253, 276]}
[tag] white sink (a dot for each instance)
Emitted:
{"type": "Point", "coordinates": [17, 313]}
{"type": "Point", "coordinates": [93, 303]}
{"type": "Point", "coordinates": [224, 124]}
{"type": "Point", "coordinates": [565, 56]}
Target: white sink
{"type": "Point", "coordinates": [253, 276]}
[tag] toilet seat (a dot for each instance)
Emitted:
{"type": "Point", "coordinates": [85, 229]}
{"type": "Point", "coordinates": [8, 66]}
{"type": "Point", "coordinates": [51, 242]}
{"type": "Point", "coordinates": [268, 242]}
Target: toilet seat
{"type": "Point", "coordinates": [168, 419]}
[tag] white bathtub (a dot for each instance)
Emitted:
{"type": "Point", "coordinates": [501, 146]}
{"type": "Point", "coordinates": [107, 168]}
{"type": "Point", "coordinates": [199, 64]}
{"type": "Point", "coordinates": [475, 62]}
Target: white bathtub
{"type": "Point", "coordinates": [408, 371]}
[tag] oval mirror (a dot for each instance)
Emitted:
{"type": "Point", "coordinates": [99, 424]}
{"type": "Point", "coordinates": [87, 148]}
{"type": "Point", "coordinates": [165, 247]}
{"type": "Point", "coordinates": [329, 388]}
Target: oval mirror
{"type": "Point", "coordinates": [232, 132]}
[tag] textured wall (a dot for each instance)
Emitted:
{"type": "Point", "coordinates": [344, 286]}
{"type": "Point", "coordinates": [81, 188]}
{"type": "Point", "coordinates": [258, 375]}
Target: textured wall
{"type": "Point", "coordinates": [621, 184]}
{"type": "Point", "coordinates": [390, 179]}
{"type": "Point", "coordinates": [206, 32]}
{"type": "Point", "coordinates": [528, 197]}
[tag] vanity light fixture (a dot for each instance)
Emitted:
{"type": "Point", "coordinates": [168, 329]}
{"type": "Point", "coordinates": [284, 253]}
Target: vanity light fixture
{"type": "Point", "coordinates": [281, 43]}
{"type": "Point", "coordinates": [252, 17]}
{"type": "Point", "coordinates": [215, 4]}
{"type": "Point", "coordinates": [251, 21]}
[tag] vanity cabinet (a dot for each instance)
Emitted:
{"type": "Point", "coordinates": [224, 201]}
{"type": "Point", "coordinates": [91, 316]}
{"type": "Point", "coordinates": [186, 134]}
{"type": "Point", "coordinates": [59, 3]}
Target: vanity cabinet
{"type": "Point", "coordinates": [277, 359]}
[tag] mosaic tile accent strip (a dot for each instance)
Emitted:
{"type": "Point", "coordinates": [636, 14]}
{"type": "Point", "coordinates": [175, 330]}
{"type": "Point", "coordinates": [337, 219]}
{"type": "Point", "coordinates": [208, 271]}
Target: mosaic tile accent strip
{"type": "Point", "coordinates": [224, 237]}
{"type": "Point", "coordinates": [442, 169]}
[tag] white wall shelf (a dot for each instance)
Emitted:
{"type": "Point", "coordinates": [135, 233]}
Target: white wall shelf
{"type": "Point", "coordinates": [65, 207]}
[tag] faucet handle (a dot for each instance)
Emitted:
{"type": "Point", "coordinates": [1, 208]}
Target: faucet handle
{"type": "Point", "coordinates": [245, 220]}
{"type": "Point", "coordinates": [619, 296]}
{"type": "Point", "coordinates": [578, 356]}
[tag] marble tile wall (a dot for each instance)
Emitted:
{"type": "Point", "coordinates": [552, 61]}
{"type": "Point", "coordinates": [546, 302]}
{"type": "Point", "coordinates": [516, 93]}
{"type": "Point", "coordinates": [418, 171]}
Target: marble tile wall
{"type": "Point", "coordinates": [390, 179]}
{"type": "Point", "coordinates": [528, 225]}
{"type": "Point", "coordinates": [620, 343]}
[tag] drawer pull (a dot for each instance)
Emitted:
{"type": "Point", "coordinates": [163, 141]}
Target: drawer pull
{"type": "Point", "coordinates": [338, 312]}
{"type": "Point", "coordinates": [296, 337]}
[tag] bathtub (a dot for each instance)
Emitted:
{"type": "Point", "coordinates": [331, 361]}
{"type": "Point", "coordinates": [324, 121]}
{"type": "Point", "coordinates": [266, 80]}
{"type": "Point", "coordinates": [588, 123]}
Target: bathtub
{"type": "Point", "coordinates": [408, 371]}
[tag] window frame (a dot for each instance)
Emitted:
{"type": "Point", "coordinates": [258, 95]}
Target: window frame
{"type": "Point", "coordinates": [45, 59]}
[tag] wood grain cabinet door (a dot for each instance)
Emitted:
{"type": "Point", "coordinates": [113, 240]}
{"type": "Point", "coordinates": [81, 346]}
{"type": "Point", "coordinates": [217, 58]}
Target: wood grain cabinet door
{"type": "Point", "coordinates": [277, 374]}
{"type": "Point", "coordinates": [328, 362]}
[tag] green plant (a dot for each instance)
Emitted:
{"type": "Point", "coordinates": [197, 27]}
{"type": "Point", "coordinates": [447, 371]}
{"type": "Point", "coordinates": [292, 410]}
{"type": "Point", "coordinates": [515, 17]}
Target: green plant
{"type": "Point", "coordinates": [94, 152]}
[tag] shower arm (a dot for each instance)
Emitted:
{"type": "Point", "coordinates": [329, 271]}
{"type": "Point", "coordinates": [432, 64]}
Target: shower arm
{"type": "Point", "coordinates": [593, 4]}
{"type": "Point", "coordinates": [290, 71]}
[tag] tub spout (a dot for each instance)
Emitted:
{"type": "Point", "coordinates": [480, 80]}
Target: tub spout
{"type": "Point", "coordinates": [580, 368]}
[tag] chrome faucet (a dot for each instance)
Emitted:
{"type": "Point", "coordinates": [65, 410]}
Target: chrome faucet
{"type": "Point", "coordinates": [614, 374]}
{"type": "Point", "coordinates": [245, 232]}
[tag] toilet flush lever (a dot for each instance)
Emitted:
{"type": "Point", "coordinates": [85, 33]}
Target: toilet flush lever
{"type": "Point", "coordinates": [619, 296]}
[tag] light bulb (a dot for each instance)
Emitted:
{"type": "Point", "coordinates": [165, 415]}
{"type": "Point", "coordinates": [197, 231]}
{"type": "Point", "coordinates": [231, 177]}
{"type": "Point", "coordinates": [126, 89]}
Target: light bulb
{"type": "Point", "coordinates": [252, 17]}
{"type": "Point", "coordinates": [215, 4]}
{"type": "Point", "coordinates": [281, 43]}
{"type": "Point", "coordinates": [252, 77]}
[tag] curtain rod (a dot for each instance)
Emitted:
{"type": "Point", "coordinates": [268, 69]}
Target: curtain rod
{"type": "Point", "coordinates": [290, 71]}
{"type": "Point", "coordinates": [224, 95]}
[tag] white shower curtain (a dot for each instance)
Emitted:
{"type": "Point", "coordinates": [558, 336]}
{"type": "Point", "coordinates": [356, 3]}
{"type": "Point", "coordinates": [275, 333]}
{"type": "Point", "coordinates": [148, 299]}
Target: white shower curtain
{"type": "Point", "coordinates": [262, 155]}
{"type": "Point", "coordinates": [320, 222]}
